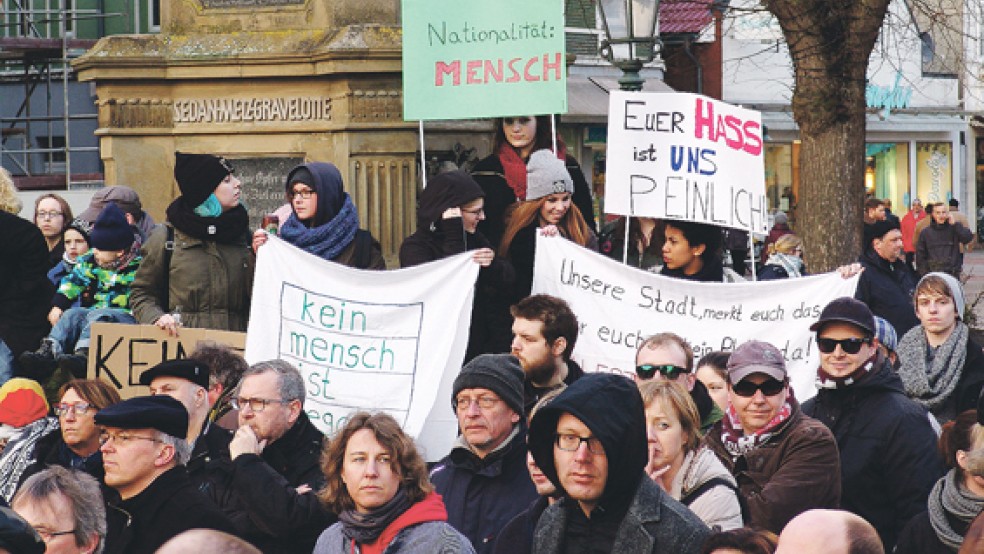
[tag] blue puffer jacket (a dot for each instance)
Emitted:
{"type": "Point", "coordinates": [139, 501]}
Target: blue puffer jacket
{"type": "Point", "coordinates": [482, 495]}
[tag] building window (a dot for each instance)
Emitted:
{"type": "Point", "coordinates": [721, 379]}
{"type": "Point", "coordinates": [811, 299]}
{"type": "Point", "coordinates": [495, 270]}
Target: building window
{"type": "Point", "coordinates": [886, 173]}
{"type": "Point", "coordinates": [154, 15]}
{"type": "Point", "coordinates": [934, 176]}
{"type": "Point", "coordinates": [53, 153]}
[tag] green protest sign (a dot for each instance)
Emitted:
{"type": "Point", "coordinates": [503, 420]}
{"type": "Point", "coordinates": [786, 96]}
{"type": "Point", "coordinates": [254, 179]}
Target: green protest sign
{"type": "Point", "coordinates": [483, 59]}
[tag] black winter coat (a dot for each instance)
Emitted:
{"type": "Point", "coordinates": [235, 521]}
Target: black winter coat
{"type": "Point", "coordinates": [938, 248]}
{"type": "Point", "coordinates": [889, 460]}
{"type": "Point", "coordinates": [886, 288]}
{"type": "Point", "coordinates": [517, 536]}
{"type": "Point", "coordinates": [210, 453]}
{"type": "Point", "coordinates": [262, 499]}
{"type": "Point", "coordinates": [25, 291]}
{"type": "Point", "coordinates": [169, 506]}
{"type": "Point", "coordinates": [51, 450]}
{"type": "Point", "coordinates": [499, 195]}
{"type": "Point", "coordinates": [482, 495]}
{"type": "Point", "coordinates": [918, 537]}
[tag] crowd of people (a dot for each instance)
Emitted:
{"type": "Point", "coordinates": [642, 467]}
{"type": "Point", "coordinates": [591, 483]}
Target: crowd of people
{"type": "Point", "coordinates": [709, 455]}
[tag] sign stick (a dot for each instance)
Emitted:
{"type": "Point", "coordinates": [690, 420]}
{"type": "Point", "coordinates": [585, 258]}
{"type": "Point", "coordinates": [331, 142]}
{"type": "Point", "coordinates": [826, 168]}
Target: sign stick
{"type": "Point", "coordinates": [751, 254]}
{"type": "Point", "coordinates": [423, 157]}
{"type": "Point", "coordinates": [553, 133]}
{"type": "Point", "coordinates": [625, 250]}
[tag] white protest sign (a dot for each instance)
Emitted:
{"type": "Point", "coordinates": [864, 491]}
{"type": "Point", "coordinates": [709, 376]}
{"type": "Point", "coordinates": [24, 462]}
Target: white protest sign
{"type": "Point", "coordinates": [619, 306]}
{"type": "Point", "coordinates": [685, 156]}
{"type": "Point", "coordinates": [366, 340]}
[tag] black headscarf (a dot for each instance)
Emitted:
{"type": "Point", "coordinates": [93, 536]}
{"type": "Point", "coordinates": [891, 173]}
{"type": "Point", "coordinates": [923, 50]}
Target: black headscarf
{"type": "Point", "coordinates": [447, 190]}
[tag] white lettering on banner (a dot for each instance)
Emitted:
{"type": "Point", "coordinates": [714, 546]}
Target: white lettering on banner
{"type": "Point", "coordinates": [685, 156]}
{"type": "Point", "coordinates": [618, 307]}
{"type": "Point", "coordinates": [366, 340]}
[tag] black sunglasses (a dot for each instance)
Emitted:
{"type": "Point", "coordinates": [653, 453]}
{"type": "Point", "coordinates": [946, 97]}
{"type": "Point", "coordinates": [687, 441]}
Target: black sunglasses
{"type": "Point", "coordinates": [670, 371]}
{"type": "Point", "coordinates": [769, 387]}
{"type": "Point", "coordinates": [850, 346]}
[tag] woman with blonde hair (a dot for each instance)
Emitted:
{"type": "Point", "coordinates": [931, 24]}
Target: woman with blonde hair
{"type": "Point", "coordinates": [785, 259]}
{"type": "Point", "coordinates": [548, 206]}
{"type": "Point", "coordinates": [377, 483]}
{"type": "Point", "coordinates": [680, 462]}
{"type": "Point", "coordinates": [8, 194]}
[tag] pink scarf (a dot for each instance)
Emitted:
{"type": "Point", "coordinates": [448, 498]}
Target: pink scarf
{"type": "Point", "coordinates": [738, 443]}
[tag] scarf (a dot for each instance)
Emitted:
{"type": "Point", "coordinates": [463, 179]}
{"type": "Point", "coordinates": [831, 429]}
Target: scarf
{"type": "Point", "coordinates": [514, 167]}
{"type": "Point", "coordinates": [228, 228]}
{"type": "Point", "coordinates": [932, 386]}
{"type": "Point", "coordinates": [950, 496]}
{"type": "Point", "coordinates": [20, 453]}
{"type": "Point", "coordinates": [711, 272]}
{"type": "Point", "coordinates": [328, 240]}
{"type": "Point", "coordinates": [366, 528]}
{"type": "Point", "coordinates": [738, 443]}
{"type": "Point", "coordinates": [791, 263]}
{"type": "Point", "coordinates": [828, 381]}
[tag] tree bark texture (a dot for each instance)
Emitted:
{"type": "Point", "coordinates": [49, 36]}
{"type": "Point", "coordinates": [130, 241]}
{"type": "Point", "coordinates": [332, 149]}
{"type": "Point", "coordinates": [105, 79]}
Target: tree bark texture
{"type": "Point", "coordinates": [830, 43]}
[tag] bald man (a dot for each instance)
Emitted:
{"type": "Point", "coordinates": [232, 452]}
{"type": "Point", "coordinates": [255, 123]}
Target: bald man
{"type": "Point", "coordinates": [829, 532]}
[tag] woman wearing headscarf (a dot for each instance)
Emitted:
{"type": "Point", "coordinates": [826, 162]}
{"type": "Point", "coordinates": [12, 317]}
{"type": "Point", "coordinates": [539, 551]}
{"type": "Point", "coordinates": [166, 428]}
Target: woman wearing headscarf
{"type": "Point", "coordinates": [199, 266]}
{"type": "Point", "coordinates": [323, 219]}
{"type": "Point", "coordinates": [449, 213]}
{"type": "Point", "coordinates": [502, 175]}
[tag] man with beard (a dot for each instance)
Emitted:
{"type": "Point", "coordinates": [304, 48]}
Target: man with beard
{"type": "Point", "coordinates": [668, 356]}
{"type": "Point", "coordinates": [544, 332]}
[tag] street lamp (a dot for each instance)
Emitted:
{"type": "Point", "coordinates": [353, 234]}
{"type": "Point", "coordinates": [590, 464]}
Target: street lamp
{"type": "Point", "coordinates": [631, 37]}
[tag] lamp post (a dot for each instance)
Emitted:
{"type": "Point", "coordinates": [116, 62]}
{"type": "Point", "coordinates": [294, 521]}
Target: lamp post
{"type": "Point", "coordinates": [631, 37]}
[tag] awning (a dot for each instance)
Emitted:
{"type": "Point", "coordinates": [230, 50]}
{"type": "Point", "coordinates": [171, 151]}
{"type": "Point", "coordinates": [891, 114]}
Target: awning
{"type": "Point", "coordinates": [587, 97]}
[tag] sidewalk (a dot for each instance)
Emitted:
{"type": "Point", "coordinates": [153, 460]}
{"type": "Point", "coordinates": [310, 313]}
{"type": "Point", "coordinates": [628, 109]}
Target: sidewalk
{"type": "Point", "coordinates": [974, 287]}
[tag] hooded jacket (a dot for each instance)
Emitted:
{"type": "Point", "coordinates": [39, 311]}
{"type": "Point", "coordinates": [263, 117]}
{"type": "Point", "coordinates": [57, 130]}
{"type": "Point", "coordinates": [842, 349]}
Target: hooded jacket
{"type": "Point", "coordinates": [886, 288]}
{"type": "Point", "coordinates": [889, 460]}
{"type": "Point", "coordinates": [438, 238]}
{"type": "Point", "coordinates": [652, 520]}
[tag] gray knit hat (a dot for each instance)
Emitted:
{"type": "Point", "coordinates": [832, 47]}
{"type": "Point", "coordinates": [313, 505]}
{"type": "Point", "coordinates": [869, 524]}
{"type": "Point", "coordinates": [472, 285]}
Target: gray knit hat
{"type": "Point", "coordinates": [546, 174]}
{"type": "Point", "coordinates": [499, 373]}
{"type": "Point", "coordinates": [956, 290]}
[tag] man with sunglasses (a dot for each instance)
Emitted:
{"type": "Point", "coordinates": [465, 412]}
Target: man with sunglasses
{"type": "Point", "coordinates": [276, 462]}
{"type": "Point", "coordinates": [591, 443]}
{"type": "Point", "coordinates": [784, 462]}
{"type": "Point", "coordinates": [144, 451]}
{"type": "Point", "coordinates": [887, 444]}
{"type": "Point", "coordinates": [669, 356]}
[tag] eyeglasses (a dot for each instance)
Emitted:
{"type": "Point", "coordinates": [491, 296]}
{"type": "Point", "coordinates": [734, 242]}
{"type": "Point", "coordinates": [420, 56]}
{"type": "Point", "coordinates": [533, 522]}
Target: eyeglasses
{"type": "Point", "coordinates": [49, 215]}
{"type": "Point", "coordinates": [255, 404]}
{"type": "Point", "coordinates": [304, 194]}
{"type": "Point", "coordinates": [48, 536]}
{"type": "Point", "coordinates": [484, 402]}
{"type": "Point", "coordinates": [769, 387]}
{"type": "Point", "coordinates": [670, 371]}
{"type": "Point", "coordinates": [121, 439]}
{"type": "Point", "coordinates": [570, 443]}
{"type": "Point", "coordinates": [80, 408]}
{"type": "Point", "coordinates": [476, 211]}
{"type": "Point", "coordinates": [850, 346]}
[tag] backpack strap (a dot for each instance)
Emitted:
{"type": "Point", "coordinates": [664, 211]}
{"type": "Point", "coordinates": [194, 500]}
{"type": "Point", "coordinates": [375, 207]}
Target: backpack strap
{"type": "Point", "coordinates": [168, 252]}
{"type": "Point", "coordinates": [693, 495]}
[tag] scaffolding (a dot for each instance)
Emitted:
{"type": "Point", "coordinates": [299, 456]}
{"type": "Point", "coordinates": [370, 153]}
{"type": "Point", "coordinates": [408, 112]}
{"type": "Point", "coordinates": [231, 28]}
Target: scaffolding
{"type": "Point", "coordinates": [37, 45]}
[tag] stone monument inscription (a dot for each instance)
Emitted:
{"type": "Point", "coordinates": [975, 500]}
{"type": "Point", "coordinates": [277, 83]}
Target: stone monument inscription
{"type": "Point", "coordinates": [263, 184]}
{"type": "Point", "coordinates": [249, 3]}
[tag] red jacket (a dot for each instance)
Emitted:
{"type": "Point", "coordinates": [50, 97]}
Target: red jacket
{"type": "Point", "coordinates": [909, 229]}
{"type": "Point", "coordinates": [431, 508]}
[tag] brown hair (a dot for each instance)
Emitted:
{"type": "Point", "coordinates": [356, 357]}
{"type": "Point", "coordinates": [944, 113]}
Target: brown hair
{"type": "Point", "coordinates": [673, 395]}
{"type": "Point", "coordinates": [541, 140]}
{"type": "Point", "coordinates": [555, 314]}
{"type": "Point", "coordinates": [572, 226]}
{"type": "Point", "coordinates": [65, 208]}
{"type": "Point", "coordinates": [407, 462]}
{"type": "Point", "coordinates": [963, 433]}
{"type": "Point", "coordinates": [873, 203]}
{"type": "Point", "coordinates": [716, 360]}
{"type": "Point", "coordinates": [659, 339]}
{"type": "Point", "coordinates": [745, 540]}
{"type": "Point", "coordinates": [933, 285]}
{"type": "Point", "coordinates": [96, 392]}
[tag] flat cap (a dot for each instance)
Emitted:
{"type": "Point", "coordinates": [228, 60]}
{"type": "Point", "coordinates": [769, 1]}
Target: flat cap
{"type": "Point", "coordinates": [192, 370]}
{"type": "Point", "coordinates": [160, 412]}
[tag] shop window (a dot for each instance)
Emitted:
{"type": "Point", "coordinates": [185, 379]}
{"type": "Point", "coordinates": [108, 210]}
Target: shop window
{"type": "Point", "coordinates": [934, 175]}
{"type": "Point", "coordinates": [886, 173]}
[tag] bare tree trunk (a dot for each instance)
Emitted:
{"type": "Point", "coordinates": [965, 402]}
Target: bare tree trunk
{"type": "Point", "coordinates": [830, 42]}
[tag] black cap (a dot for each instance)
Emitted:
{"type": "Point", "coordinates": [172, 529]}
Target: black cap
{"type": "Point", "coordinates": [192, 370]}
{"type": "Point", "coordinates": [847, 310]}
{"type": "Point", "coordinates": [160, 412]}
{"type": "Point", "coordinates": [198, 175]}
{"type": "Point", "coordinates": [16, 535]}
{"type": "Point", "coordinates": [878, 230]}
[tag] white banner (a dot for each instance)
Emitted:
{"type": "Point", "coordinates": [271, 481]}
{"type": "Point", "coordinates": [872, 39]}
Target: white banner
{"type": "Point", "coordinates": [618, 307]}
{"type": "Point", "coordinates": [366, 340]}
{"type": "Point", "coordinates": [685, 156]}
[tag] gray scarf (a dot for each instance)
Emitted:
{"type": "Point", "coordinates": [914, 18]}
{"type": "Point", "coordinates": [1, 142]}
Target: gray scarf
{"type": "Point", "coordinates": [933, 386]}
{"type": "Point", "coordinates": [950, 496]}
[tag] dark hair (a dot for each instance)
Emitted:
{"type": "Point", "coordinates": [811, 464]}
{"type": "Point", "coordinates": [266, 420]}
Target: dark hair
{"type": "Point", "coordinates": [700, 233]}
{"type": "Point", "coordinates": [541, 141]}
{"type": "Point", "coordinates": [225, 365]}
{"type": "Point", "coordinates": [659, 339]}
{"type": "Point", "coordinates": [873, 203]}
{"type": "Point", "coordinates": [407, 462]}
{"type": "Point", "coordinates": [960, 434]}
{"type": "Point", "coordinates": [862, 538]}
{"type": "Point", "coordinates": [556, 315]}
{"type": "Point", "coordinates": [96, 392]}
{"type": "Point", "coordinates": [748, 541]}
{"type": "Point", "coordinates": [954, 203]}
{"type": "Point", "coordinates": [716, 360]}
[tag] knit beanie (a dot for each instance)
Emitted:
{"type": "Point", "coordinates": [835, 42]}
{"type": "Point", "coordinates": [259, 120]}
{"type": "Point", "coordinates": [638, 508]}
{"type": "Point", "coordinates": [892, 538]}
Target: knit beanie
{"type": "Point", "coordinates": [81, 226]}
{"type": "Point", "coordinates": [499, 373]}
{"type": "Point", "coordinates": [198, 175]}
{"type": "Point", "coordinates": [21, 402]}
{"type": "Point", "coordinates": [546, 175]}
{"type": "Point", "coordinates": [111, 231]}
{"type": "Point", "coordinates": [780, 218]}
{"type": "Point", "coordinates": [956, 290]}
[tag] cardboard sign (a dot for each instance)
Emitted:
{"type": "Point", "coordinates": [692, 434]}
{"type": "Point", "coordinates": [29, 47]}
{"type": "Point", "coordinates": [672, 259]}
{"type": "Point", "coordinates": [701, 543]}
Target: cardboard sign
{"type": "Point", "coordinates": [688, 157]}
{"type": "Point", "coordinates": [119, 353]}
{"type": "Point", "coordinates": [483, 59]}
{"type": "Point", "coordinates": [618, 307]}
